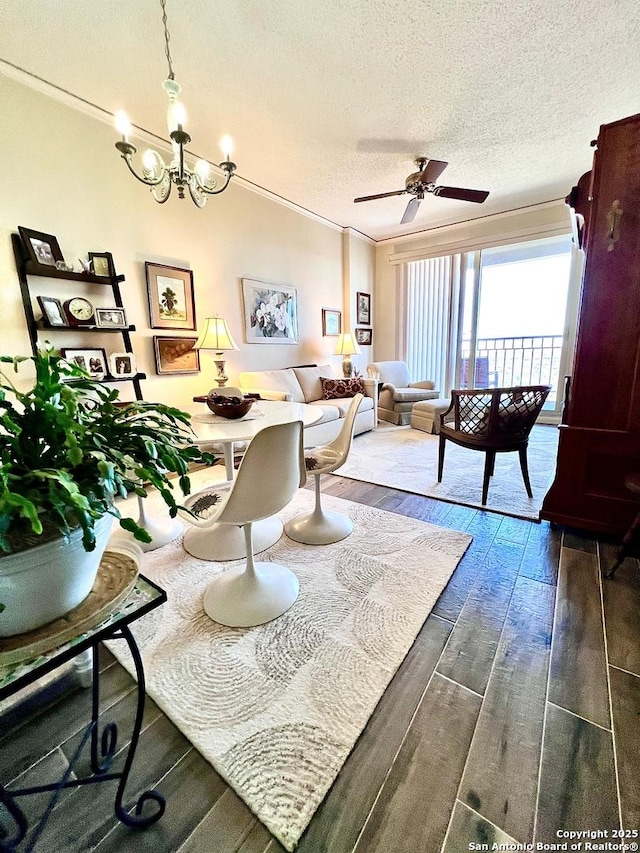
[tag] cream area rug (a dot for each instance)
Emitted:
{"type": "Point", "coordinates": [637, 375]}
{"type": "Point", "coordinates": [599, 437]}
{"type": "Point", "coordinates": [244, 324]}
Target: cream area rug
{"type": "Point", "coordinates": [407, 459]}
{"type": "Point", "coordinates": [276, 709]}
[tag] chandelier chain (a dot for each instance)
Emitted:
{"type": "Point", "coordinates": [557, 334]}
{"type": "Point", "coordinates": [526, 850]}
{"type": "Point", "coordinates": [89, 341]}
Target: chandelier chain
{"type": "Point", "coordinates": [167, 49]}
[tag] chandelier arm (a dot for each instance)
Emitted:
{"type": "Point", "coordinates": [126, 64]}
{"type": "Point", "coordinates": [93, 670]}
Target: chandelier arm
{"type": "Point", "coordinates": [150, 182]}
{"type": "Point", "coordinates": [229, 168]}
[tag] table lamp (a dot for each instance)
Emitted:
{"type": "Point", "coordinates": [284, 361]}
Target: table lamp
{"type": "Point", "coordinates": [346, 347]}
{"type": "Point", "coordinates": [217, 337]}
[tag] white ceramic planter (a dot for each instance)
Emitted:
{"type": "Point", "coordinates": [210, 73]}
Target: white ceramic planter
{"type": "Point", "coordinates": [45, 582]}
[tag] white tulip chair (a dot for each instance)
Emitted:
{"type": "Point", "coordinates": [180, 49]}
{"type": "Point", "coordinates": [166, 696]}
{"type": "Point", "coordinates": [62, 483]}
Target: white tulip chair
{"type": "Point", "coordinates": [320, 526]}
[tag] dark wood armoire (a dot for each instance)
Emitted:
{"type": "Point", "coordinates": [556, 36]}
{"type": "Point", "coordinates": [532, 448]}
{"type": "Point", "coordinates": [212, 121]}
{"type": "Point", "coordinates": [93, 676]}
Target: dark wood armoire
{"type": "Point", "coordinates": [600, 437]}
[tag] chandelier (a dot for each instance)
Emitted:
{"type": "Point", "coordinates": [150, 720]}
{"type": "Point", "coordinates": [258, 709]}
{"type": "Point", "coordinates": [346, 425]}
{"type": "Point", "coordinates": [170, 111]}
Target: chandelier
{"type": "Point", "coordinates": [154, 171]}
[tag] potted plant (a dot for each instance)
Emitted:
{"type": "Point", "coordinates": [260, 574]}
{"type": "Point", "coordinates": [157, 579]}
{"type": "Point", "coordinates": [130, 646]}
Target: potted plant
{"type": "Point", "coordinates": [68, 449]}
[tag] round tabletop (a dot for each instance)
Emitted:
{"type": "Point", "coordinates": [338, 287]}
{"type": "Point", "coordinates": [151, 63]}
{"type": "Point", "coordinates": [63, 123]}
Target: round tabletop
{"type": "Point", "coordinates": [212, 428]}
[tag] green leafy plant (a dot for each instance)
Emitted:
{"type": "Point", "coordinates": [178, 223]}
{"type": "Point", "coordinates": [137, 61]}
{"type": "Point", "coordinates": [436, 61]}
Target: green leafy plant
{"type": "Point", "coordinates": [69, 447]}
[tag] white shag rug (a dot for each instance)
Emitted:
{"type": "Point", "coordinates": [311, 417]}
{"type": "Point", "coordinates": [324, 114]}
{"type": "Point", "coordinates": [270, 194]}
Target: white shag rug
{"type": "Point", "coordinates": [407, 459]}
{"type": "Point", "coordinates": [276, 709]}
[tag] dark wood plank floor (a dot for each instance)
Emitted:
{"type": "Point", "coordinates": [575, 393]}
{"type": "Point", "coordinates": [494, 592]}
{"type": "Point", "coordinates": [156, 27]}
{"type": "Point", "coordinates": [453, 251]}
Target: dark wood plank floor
{"type": "Point", "coordinates": [514, 715]}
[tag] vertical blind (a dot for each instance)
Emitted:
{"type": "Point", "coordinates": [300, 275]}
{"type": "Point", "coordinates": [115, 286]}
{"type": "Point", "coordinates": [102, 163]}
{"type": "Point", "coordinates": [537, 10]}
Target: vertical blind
{"type": "Point", "coordinates": [428, 314]}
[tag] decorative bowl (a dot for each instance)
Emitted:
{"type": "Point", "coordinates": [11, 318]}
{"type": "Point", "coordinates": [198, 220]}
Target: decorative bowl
{"type": "Point", "coordinates": [230, 407]}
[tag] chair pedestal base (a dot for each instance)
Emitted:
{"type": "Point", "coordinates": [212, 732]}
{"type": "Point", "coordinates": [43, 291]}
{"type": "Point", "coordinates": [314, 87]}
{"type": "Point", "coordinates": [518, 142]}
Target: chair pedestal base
{"type": "Point", "coordinates": [162, 531]}
{"type": "Point", "coordinates": [241, 598]}
{"type": "Point", "coordinates": [226, 542]}
{"type": "Point", "coordinates": [319, 527]}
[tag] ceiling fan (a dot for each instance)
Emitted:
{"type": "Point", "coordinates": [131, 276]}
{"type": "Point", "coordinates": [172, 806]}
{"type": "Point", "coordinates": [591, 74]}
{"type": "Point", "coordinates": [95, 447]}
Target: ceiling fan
{"type": "Point", "coordinates": [424, 181]}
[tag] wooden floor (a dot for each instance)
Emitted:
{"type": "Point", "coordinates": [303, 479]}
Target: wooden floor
{"type": "Point", "coordinates": [514, 716]}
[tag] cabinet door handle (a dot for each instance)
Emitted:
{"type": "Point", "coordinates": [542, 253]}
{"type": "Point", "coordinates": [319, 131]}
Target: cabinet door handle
{"type": "Point", "coordinates": [614, 217]}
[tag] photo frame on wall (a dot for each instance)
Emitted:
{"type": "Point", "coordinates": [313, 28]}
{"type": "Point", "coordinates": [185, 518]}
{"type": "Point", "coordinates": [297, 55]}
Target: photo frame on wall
{"type": "Point", "coordinates": [175, 355]}
{"type": "Point", "coordinates": [364, 336]}
{"type": "Point", "coordinates": [331, 322]}
{"type": "Point", "coordinates": [270, 312]}
{"type": "Point", "coordinates": [42, 248]}
{"type": "Point", "coordinates": [363, 308]}
{"type": "Point", "coordinates": [171, 297]}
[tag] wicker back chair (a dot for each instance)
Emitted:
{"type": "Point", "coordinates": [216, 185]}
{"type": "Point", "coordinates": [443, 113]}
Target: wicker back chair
{"type": "Point", "coordinates": [494, 420]}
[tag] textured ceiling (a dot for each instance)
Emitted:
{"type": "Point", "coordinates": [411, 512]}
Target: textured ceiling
{"type": "Point", "coordinates": [333, 100]}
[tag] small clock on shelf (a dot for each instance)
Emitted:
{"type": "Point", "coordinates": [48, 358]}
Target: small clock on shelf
{"type": "Point", "coordinates": [79, 311]}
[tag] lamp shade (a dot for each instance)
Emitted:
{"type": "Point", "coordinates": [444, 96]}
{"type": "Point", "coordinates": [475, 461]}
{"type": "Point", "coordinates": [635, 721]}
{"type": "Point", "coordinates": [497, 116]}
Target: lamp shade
{"type": "Point", "coordinates": [215, 336]}
{"type": "Point", "coordinates": [347, 344]}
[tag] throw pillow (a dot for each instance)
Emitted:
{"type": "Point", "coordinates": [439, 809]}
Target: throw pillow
{"type": "Point", "coordinates": [336, 389]}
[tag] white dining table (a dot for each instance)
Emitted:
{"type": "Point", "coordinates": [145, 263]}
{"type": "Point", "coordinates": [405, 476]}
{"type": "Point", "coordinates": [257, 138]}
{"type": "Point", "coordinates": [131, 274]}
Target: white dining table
{"type": "Point", "coordinates": [225, 541]}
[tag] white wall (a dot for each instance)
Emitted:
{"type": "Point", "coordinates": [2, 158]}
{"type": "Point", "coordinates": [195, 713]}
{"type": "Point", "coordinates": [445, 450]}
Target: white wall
{"type": "Point", "coordinates": [62, 175]}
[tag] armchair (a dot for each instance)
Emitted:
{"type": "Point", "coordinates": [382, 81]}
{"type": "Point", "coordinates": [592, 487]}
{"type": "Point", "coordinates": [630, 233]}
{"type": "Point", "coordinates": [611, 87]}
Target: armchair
{"type": "Point", "coordinates": [398, 393]}
{"type": "Point", "coordinates": [494, 420]}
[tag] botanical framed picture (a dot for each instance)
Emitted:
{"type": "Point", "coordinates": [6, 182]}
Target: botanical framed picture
{"type": "Point", "coordinates": [111, 318]}
{"type": "Point", "coordinates": [52, 311]}
{"type": "Point", "coordinates": [176, 355]}
{"type": "Point", "coordinates": [42, 248]}
{"type": "Point", "coordinates": [364, 336]}
{"type": "Point", "coordinates": [93, 360]}
{"type": "Point", "coordinates": [102, 263]}
{"type": "Point", "coordinates": [331, 322]}
{"type": "Point", "coordinates": [122, 364]}
{"type": "Point", "coordinates": [363, 308]}
{"type": "Point", "coordinates": [171, 298]}
{"type": "Point", "coordinates": [270, 312]}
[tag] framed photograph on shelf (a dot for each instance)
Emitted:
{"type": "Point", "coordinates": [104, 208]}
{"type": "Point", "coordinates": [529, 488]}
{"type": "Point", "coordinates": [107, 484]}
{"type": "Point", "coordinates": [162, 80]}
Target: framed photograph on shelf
{"type": "Point", "coordinates": [363, 308]}
{"type": "Point", "coordinates": [270, 312]}
{"type": "Point", "coordinates": [93, 360]}
{"type": "Point", "coordinates": [102, 264]}
{"type": "Point", "coordinates": [176, 355]}
{"type": "Point", "coordinates": [122, 364]}
{"type": "Point", "coordinates": [42, 248]}
{"type": "Point", "coordinates": [331, 322]}
{"type": "Point", "coordinates": [111, 318]}
{"type": "Point", "coordinates": [171, 298]}
{"type": "Point", "coordinates": [52, 311]}
{"type": "Point", "coordinates": [364, 336]}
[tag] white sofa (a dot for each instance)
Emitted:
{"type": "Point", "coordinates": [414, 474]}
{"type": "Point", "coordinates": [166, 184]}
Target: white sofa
{"type": "Point", "coordinates": [302, 385]}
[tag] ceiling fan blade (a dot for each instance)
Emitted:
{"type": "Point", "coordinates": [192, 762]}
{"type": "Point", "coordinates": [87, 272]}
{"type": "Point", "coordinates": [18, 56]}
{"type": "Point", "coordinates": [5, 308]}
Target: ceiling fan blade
{"type": "Point", "coordinates": [410, 212]}
{"type": "Point", "coordinates": [462, 194]}
{"type": "Point", "coordinates": [432, 171]}
{"type": "Point", "coordinates": [380, 195]}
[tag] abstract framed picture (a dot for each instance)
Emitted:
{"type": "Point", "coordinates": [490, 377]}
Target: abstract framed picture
{"type": "Point", "coordinates": [270, 312]}
{"type": "Point", "coordinates": [363, 308]}
{"type": "Point", "coordinates": [42, 248]}
{"type": "Point", "coordinates": [171, 297]}
{"type": "Point", "coordinates": [175, 355]}
{"type": "Point", "coordinates": [331, 322]}
{"type": "Point", "coordinates": [364, 336]}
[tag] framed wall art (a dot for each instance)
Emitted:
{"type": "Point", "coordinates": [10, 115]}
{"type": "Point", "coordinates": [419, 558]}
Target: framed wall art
{"type": "Point", "coordinates": [52, 311]}
{"type": "Point", "coordinates": [42, 248]}
{"type": "Point", "coordinates": [102, 263]}
{"type": "Point", "coordinates": [364, 336]}
{"type": "Point", "coordinates": [331, 323]}
{"type": "Point", "coordinates": [93, 360]}
{"type": "Point", "coordinates": [123, 364]}
{"type": "Point", "coordinates": [171, 298]}
{"type": "Point", "coordinates": [270, 312]}
{"type": "Point", "coordinates": [363, 308]}
{"type": "Point", "coordinates": [175, 355]}
{"type": "Point", "coordinates": [111, 318]}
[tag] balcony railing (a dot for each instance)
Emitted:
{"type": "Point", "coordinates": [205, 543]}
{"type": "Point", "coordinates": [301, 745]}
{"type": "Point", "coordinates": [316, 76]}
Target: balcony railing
{"type": "Point", "coordinates": [500, 362]}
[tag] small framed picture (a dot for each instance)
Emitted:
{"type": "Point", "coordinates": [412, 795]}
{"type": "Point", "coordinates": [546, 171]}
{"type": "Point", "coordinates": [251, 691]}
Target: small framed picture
{"type": "Point", "coordinates": [176, 355]}
{"type": "Point", "coordinates": [42, 248]}
{"type": "Point", "coordinates": [364, 336]}
{"type": "Point", "coordinates": [363, 306]}
{"type": "Point", "coordinates": [52, 311]}
{"type": "Point", "coordinates": [171, 300]}
{"type": "Point", "coordinates": [94, 360]}
{"type": "Point", "coordinates": [331, 322]}
{"type": "Point", "coordinates": [123, 364]}
{"type": "Point", "coordinates": [102, 263]}
{"type": "Point", "coordinates": [111, 318]}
